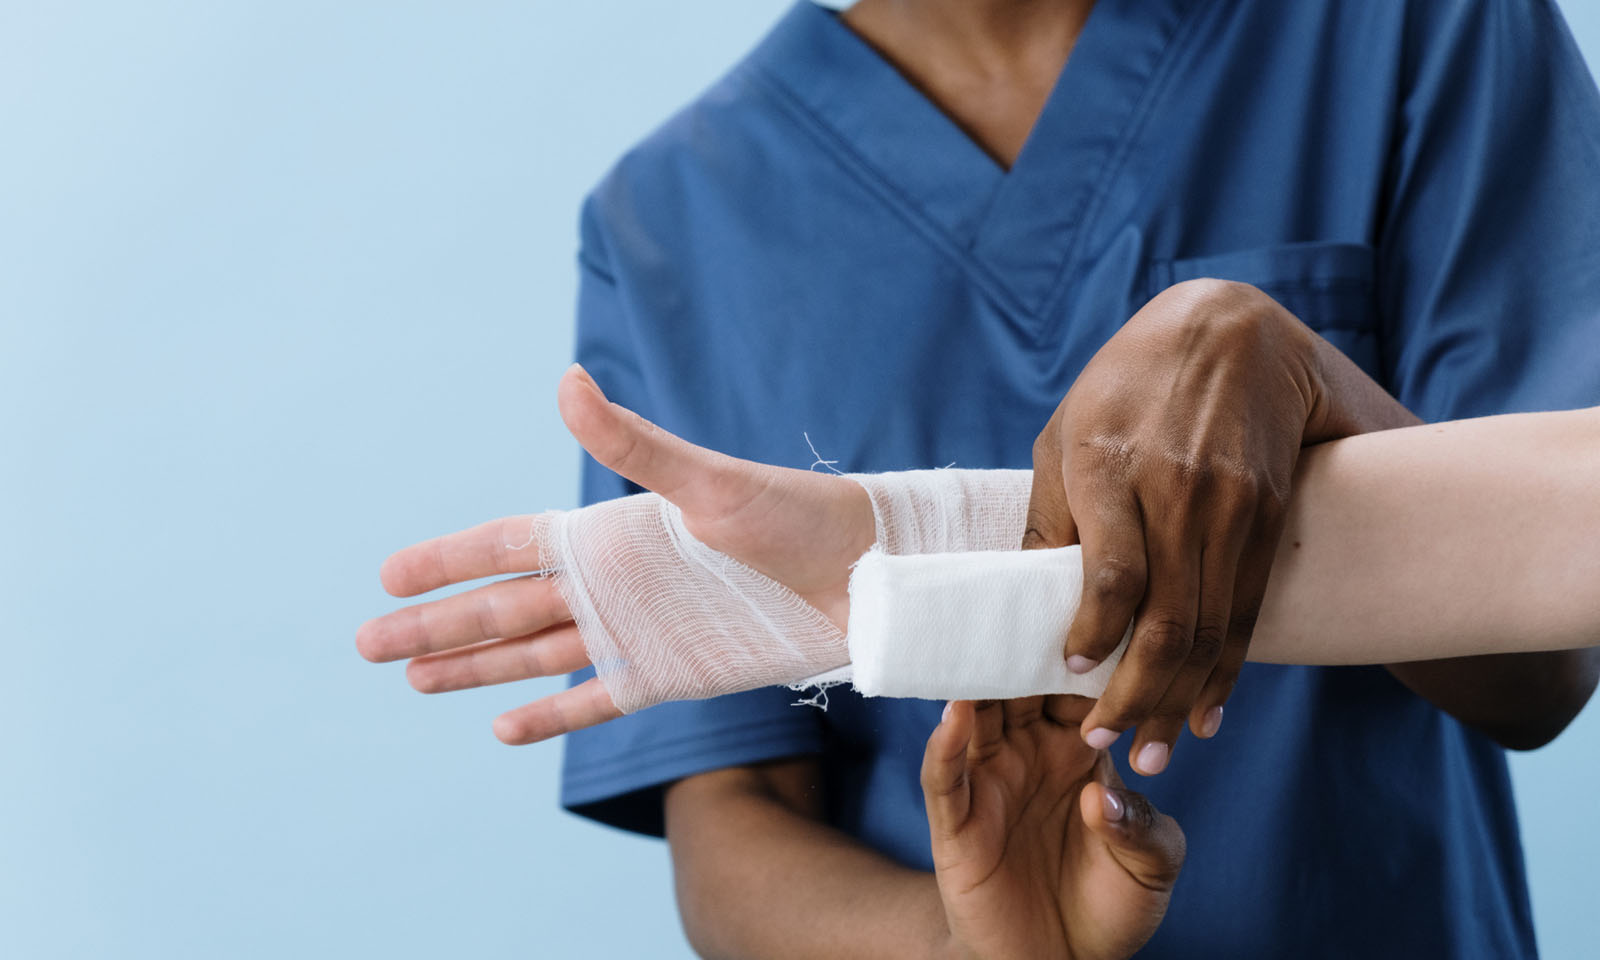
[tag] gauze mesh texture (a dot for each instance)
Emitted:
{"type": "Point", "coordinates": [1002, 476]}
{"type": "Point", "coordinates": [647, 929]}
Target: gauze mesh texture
{"type": "Point", "coordinates": [948, 511]}
{"type": "Point", "coordinates": [968, 626]}
{"type": "Point", "coordinates": [664, 617]}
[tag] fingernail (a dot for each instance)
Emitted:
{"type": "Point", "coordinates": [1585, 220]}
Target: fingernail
{"type": "Point", "coordinates": [1111, 807]}
{"type": "Point", "coordinates": [946, 715]}
{"type": "Point", "coordinates": [1080, 664]}
{"type": "Point", "coordinates": [1100, 738]}
{"type": "Point", "coordinates": [1211, 722]}
{"type": "Point", "coordinates": [1152, 758]}
{"type": "Point", "coordinates": [579, 369]}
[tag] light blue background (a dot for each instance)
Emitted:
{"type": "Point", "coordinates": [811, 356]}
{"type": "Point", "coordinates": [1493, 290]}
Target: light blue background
{"type": "Point", "coordinates": [285, 286]}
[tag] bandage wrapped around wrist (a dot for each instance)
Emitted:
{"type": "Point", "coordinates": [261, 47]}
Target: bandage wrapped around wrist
{"type": "Point", "coordinates": [947, 607]}
{"type": "Point", "coordinates": [944, 605]}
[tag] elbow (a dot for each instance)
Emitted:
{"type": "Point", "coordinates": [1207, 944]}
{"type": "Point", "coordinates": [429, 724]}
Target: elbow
{"type": "Point", "coordinates": [706, 927]}
{"type": "Point", "coordinates": [700, 934]}
{"type": "Point", "coordinates": [1565, 695]}
{"type": "Point", "coordinates": [697, 914]}
{"type": "Point", "coordinates": [717, 825]}
{"type": "Point", "coordinates": [1521, 701]}
{"type": "Point", "coordinates": [1529, 736]}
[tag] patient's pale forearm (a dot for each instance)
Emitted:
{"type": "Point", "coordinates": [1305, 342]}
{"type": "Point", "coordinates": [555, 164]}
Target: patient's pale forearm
{"type": "Point", "coordinates": [1442, 540]}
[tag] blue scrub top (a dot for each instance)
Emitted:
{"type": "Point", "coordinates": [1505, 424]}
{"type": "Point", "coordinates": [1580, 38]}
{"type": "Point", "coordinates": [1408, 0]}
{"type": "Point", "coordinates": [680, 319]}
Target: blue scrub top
{"type": "Point", "coordinates": [813, 248]}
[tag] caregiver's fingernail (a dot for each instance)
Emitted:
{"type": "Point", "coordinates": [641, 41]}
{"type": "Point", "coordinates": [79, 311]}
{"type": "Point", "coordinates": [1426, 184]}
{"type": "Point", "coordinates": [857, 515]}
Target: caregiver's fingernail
{"type": "Point", "coordinates": [1100, 738]}
{"type": "Point", "coordinates": [1152, 758]}
{"type": "Point", "coordinates": [1111, 806]}
{"type": "Point", "coordinates": [1211, 722]}
{"type": "Point", "coordinates": [946, 715]}
{"type": "Point", "coordinates": [1081, 664]}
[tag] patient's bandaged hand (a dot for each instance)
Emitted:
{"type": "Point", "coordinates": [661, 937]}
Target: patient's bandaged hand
{"type": "Point", "coordinates": [665, 617]}
{"type": "Point", "coordinates": [732, 575]}
{"type": "Point", "coordinates": [944, 605]}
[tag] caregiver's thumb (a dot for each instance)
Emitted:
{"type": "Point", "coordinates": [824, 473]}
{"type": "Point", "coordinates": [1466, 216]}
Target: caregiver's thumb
{"type": "Point", "coordinates": [1147, 843]}
{"type": "Point", "coordinates": [637, 449]}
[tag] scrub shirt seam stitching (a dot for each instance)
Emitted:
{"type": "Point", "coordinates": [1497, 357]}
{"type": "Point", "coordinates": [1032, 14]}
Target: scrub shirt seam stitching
{"type": "Point", "coordinates": [859, 169]}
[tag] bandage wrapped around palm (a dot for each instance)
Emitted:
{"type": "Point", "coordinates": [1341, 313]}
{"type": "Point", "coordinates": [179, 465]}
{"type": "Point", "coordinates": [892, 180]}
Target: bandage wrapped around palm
{"type": "Point", "coordinates": [728, 576]}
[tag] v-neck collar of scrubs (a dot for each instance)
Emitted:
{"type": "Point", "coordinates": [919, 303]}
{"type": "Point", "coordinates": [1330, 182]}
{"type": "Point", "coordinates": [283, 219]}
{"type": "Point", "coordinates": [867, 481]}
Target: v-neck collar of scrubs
{"type": "Point", "coordinates": [1016, 229]}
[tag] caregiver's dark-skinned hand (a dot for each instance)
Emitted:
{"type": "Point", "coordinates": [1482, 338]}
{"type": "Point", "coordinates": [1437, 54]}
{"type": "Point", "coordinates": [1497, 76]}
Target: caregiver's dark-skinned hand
{"type": "Point", "coordinates": [1170, 461]}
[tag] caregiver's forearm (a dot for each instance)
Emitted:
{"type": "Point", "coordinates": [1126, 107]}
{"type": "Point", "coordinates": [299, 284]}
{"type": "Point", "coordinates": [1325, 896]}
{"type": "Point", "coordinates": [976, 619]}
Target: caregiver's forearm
{"type": "Point", "coordinates": [760, 875]}
{"type": "Point", "coordinates": [1441, 540]}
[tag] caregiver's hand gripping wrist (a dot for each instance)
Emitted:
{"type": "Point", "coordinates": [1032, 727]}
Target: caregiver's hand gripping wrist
{"type": "Point", "coordinates": [1170, 461]}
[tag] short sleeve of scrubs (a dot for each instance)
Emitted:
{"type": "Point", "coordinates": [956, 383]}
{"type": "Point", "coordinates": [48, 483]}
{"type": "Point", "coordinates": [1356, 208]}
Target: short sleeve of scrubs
{"type": "Point", "coordinates": [1489, 257]}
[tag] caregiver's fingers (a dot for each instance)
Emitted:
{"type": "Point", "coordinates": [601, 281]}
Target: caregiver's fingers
{"type": "Point", "coordinates": [1159, 648]}
{"type": "Point", "coordinates": [946, 791]}
{"type": "Point", "coordinates": [1067, 709]}
{"type": "Point", "coordinates": [575, 708]}
{"type": "Point", "coordinates": [506, 608]}
{"type": "Point", "coordinates": [1115, 570]}
{"type": "Point", "coordinates": [690, 476]}
{"type": "Point", "coordinates": [988, 731]}
{"type": "Point", "coordinates": [548, 653]}
{"type": "Point", "coordinates": [1249, 590]}
{"type": "Point", "coordinates": [507, 545]}
{"type": "Point", "coordinates": [1022, 712]}
{"type": "Point", "coordinates": [1146, 843]}
{"type": "Point", "coordinates": [1218, 564]}
{"type": "Point", "coordinates": [1049, 513]}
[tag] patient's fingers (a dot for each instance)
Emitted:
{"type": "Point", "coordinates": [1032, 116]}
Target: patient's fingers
{"type": "Point", "coordinates": [572, 709]}
{"type": "Point", "coordinates": [546, 654]}
{"type": "Point", "coordinates": [507, 608]}
{"type": "Point", "coordinates": [507, 545]}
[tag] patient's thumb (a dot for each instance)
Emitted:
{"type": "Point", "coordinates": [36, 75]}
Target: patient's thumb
{"type": "Point", "coordinates": [1147, 843]}
{"type": "Point", "coordinates": [632, 446]}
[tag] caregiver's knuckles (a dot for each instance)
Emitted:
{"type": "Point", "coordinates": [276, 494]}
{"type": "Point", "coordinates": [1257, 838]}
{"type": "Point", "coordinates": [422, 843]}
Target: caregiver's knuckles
{"type": "Point", "coordinates": [1164, 639]}
{"type": "Point", "coordinates": [1115, 581]}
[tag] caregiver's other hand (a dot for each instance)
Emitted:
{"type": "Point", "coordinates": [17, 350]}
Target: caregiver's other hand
{"type": "Point", "coordinates": [800, 528]}
{"type": "Point", "coordinates": [1038, 849]}
{"type": "Point", "coordinates": [1170, 461]}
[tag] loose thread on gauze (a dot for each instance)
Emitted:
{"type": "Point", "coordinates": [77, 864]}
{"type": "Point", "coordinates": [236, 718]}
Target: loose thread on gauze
{"type": "Point", "coordinates": [820, 698]}
{"type": "Point", "coordinates": [533, 536]}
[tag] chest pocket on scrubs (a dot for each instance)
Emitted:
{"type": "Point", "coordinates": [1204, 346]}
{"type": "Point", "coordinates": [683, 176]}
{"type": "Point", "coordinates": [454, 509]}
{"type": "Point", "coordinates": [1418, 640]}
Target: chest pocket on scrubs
{"type": "Point", "coordinates": [1329, 286]}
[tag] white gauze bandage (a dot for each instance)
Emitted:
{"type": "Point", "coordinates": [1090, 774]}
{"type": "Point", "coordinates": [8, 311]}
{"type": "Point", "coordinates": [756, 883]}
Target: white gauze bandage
{"type": "Point", "coordinates": [968, 626]}
{"type": "Point", "coordinates": [943, 606]}
{"type": "Point", "coordinates": [665, 617]}
{"type": "Point", "coordinates": [947, 607]}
